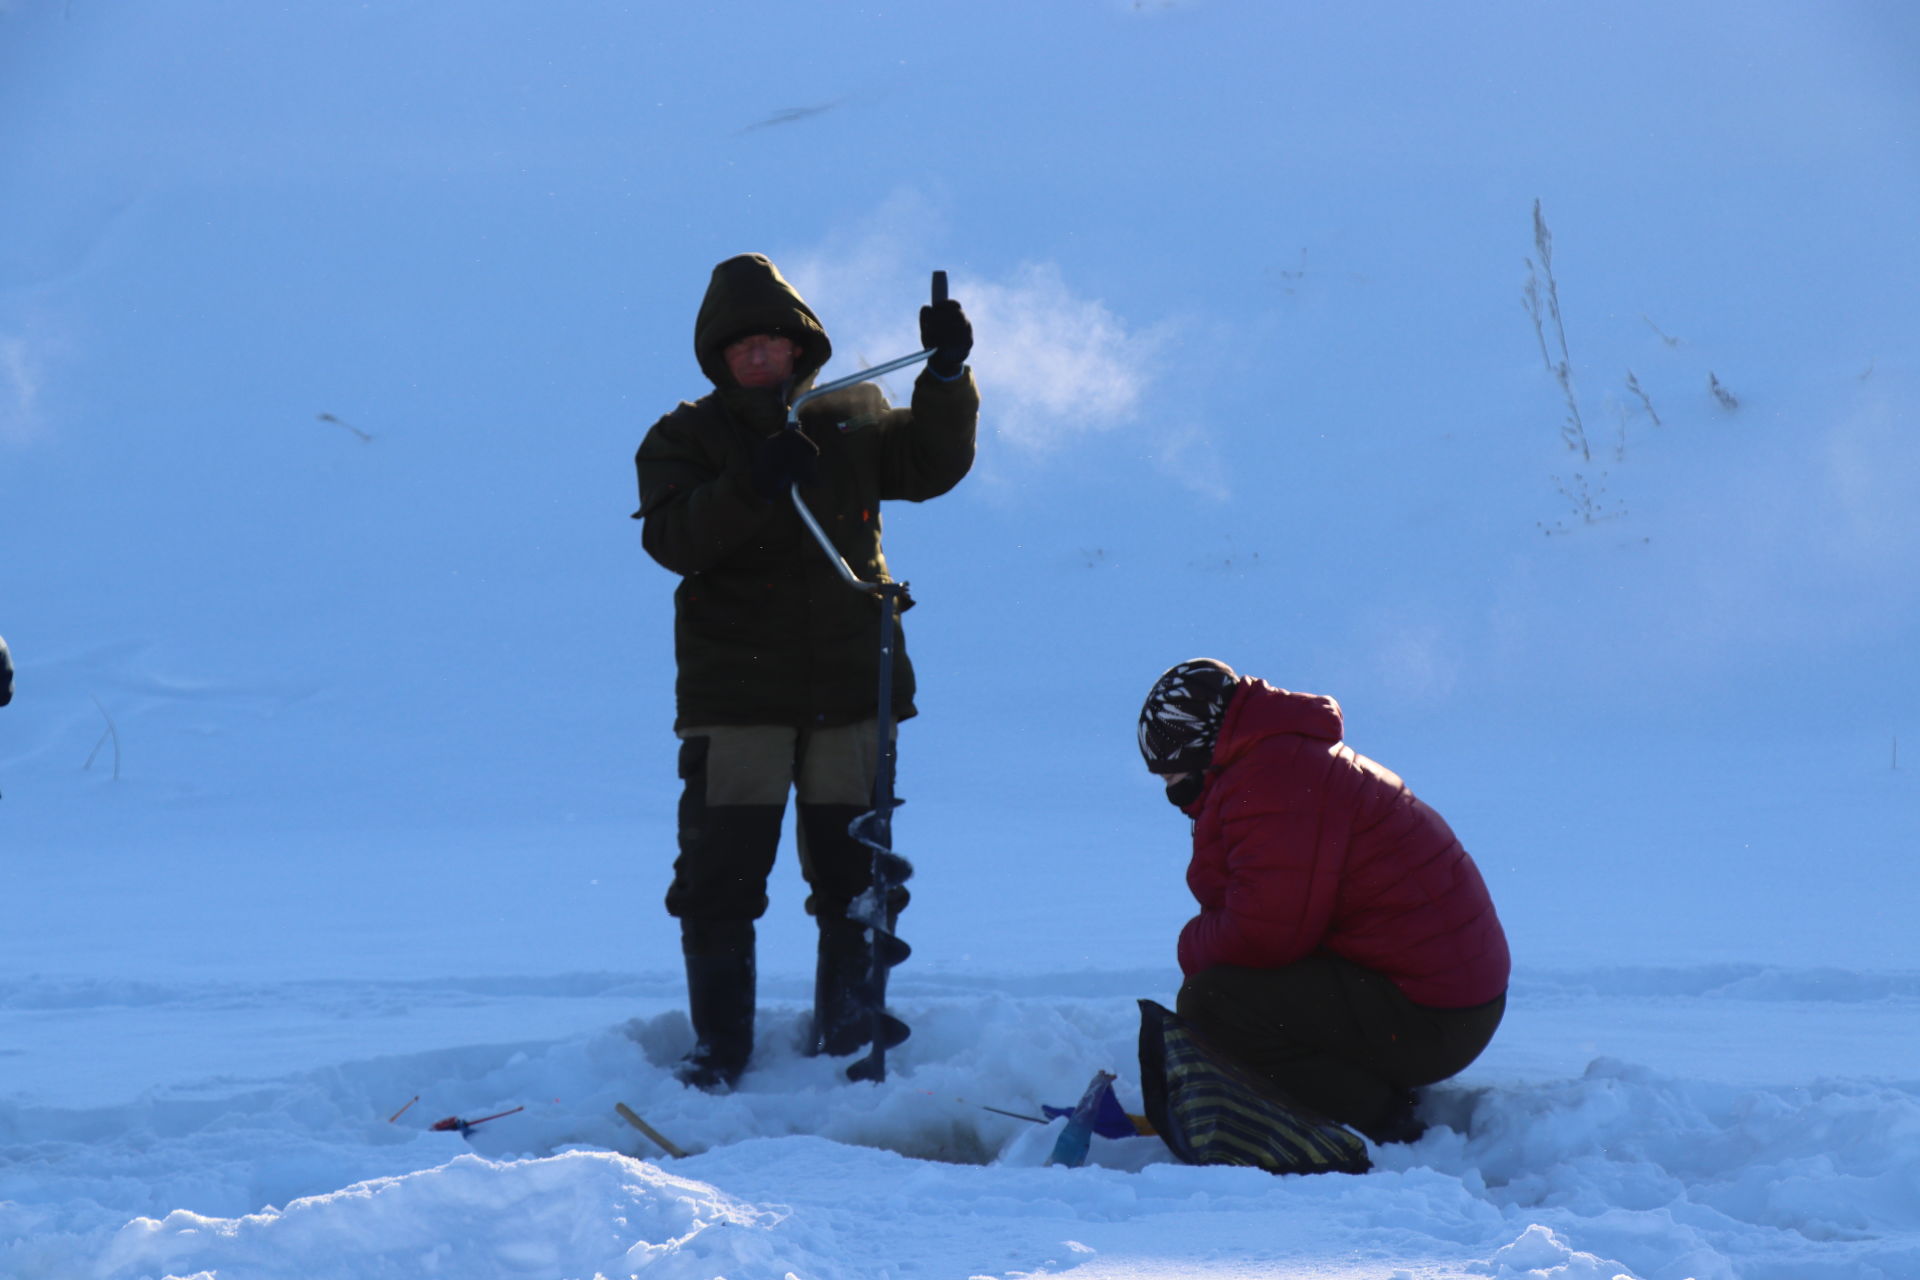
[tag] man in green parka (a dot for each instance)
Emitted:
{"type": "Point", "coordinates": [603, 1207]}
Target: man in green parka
{"type": "Point", "coordinates": [777, 657]}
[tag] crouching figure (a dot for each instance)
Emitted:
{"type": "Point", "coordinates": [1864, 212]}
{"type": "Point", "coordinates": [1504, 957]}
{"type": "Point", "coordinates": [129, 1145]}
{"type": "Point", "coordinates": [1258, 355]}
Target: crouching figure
{"type": "Point", "coordinates": [1346, 949]}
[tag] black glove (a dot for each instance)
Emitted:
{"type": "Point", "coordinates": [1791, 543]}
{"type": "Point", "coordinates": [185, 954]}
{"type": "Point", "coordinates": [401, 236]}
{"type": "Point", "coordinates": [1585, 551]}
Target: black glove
{"type": "Point", "coordinates": [782, 460]}
{"type": "Point", "coordinates": [945, 328]}
{"type": "Point", "coordinates": [6, 674]}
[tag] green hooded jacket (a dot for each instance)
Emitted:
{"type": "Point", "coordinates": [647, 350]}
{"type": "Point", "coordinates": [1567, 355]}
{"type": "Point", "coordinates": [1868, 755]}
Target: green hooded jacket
{"type": "Point", "coordinates": [765, 630]}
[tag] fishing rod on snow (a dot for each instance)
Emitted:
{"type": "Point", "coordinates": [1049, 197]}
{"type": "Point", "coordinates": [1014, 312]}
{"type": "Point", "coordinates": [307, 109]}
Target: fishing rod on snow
{"type": "Point", "coordinates": [875, 827]}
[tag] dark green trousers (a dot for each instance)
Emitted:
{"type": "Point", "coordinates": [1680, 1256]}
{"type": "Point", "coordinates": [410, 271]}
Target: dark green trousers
{"type": "Point", "coordinates": [1340, 1038]}
{"type": "Point", "coordinates": [736, 779]}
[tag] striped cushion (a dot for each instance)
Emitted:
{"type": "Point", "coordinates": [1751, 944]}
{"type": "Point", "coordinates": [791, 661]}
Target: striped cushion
{"type": "Point", "coordinates": [1211, 1111]}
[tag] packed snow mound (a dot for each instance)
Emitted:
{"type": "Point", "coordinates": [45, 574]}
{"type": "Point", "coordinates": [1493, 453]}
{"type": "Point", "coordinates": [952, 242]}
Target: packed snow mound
{"type": "Point", "coordinates": [1539, 1254]}
{"type": "Point", "coordinates": [1817, 1180]}
{"type": "Point", "coordinates": [579, 1213]}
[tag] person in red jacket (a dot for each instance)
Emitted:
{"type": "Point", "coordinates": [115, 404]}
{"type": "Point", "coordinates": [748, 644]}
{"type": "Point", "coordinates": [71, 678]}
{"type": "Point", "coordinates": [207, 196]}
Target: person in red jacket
{"type": "Point", "coordinates": [1346, 947]}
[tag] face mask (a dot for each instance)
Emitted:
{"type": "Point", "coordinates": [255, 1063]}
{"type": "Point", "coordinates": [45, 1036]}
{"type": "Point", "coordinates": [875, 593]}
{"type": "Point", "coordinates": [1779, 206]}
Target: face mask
{"type": "Point", "coordinates": [1184, 792]}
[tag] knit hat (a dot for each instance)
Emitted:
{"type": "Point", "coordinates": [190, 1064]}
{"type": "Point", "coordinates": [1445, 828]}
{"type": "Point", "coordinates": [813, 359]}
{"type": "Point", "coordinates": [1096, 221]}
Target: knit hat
{"type": "Point", "coordinates": [1182, 715]}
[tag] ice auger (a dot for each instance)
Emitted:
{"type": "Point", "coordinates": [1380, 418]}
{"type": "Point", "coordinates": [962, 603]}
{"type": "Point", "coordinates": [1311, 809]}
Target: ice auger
{"type": "Point", "coordinates": [874, 828]}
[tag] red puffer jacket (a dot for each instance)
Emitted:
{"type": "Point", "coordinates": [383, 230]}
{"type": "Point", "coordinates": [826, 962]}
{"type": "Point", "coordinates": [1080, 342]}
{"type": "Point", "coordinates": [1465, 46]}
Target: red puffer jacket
{"type": "Point", "coordinates": [1300, 845]}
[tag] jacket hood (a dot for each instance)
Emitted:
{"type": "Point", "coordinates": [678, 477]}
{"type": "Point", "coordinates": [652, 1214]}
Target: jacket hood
{"type": "Point", "coordinates": [746, 295]}
{"type": "Point", "coordinates": [1259, 710]}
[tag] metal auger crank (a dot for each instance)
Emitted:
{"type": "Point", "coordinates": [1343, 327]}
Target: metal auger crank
{"type": "Point", "coordinates": [877, 909]}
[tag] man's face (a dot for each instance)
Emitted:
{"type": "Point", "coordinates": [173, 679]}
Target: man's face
{"type": "Point", "coordinates": [761, 359]}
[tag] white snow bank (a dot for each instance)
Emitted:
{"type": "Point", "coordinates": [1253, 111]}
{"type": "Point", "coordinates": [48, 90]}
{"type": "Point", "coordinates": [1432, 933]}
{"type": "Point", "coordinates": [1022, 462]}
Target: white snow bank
{"type": "Point", "coordinates": [579, 1213]}
{"type": "Point", "coordinates": [1616, 1169]}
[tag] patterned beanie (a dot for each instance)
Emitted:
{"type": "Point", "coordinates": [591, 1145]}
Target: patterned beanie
{"type": "Point", "coordinates": [1183, 713]}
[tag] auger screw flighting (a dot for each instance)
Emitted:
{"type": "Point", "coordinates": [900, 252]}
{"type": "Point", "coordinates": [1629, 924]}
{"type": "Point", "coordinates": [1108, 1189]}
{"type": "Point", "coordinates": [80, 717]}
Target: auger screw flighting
{"type": "Point", "coordinates": [875, 827]}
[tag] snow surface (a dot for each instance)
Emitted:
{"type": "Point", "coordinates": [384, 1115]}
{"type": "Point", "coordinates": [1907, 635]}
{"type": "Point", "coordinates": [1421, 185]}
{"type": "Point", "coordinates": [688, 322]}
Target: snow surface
{"type": "Point", "coordinates": [337, 797]}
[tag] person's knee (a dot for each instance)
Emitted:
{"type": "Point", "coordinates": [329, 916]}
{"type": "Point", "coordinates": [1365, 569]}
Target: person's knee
{"type": "Point", "coordinates": [837, 866]}
{"type": "Point", "coordinates": [833, 906]}
{"type": "Point", "coordinates": [725, 859]}
{"type": "Point", "coordinates": [709, 901]}
{"type": "Point", "coordinates": [1212, 996]}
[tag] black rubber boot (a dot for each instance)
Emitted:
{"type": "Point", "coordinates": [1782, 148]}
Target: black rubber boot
{"type": "Point", "coordinates": [843, 991]}
{"type": "Point", "coordinates": [847, 993]}
{"type": "Point", "coordinates": [873, 999]}
{"type": "Point", "coordinates": [839, 1019]}
{"type": "Point", "coordinates": [720, 991]}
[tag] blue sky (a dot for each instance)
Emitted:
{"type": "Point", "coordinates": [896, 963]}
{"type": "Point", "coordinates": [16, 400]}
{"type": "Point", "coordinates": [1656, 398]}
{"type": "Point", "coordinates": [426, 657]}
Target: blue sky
{"type": "Point", "coordinates": [1258, 383]}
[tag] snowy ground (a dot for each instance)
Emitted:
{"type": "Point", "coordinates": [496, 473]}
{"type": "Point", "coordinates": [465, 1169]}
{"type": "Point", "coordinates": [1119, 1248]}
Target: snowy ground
{"type": "Point", "coordinates": [226, 1087]}
{"type": "Point", "coordinates": [1708, 1122]}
